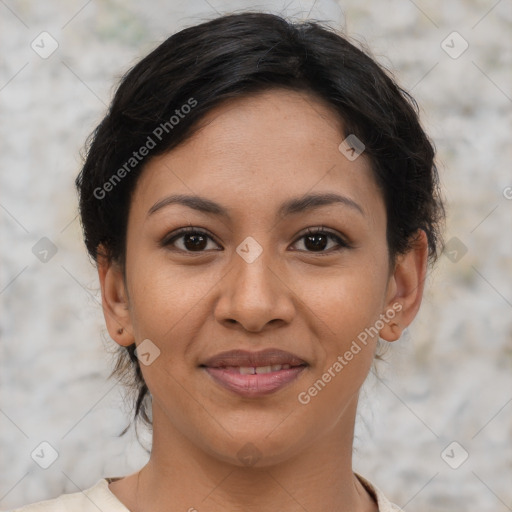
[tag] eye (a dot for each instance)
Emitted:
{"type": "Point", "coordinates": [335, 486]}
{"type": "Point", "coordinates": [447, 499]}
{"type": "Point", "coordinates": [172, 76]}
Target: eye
{"type": "Point", "coordinates": [196, 240]}
{"type": "Point", "coordinates": [317, 240]}
{"type": "Point", "coordinates": [191, 240]}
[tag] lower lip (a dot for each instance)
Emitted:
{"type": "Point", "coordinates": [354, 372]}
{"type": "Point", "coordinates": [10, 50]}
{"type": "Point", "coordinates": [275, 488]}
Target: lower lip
{"type": "Point", "coordinates": [254, 385]}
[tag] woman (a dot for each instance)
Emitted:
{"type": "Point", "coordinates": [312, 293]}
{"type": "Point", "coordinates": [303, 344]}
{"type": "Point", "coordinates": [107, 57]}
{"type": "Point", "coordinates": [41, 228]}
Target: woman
{"type": "Point", "coordinates": [262, 205]}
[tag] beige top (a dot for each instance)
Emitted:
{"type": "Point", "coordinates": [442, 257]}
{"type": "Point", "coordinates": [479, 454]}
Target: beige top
{"type": "Point", "coordinates": [99, 497]}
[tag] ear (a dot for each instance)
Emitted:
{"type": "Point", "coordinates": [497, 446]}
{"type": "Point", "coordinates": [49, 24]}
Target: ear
{"type": "Point", "coordinates": [114, 299]}
{"type": "Point", "coordinates": [405, 288]}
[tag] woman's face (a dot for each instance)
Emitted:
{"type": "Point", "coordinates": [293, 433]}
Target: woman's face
{"type": "Point", "coordinates": [256, 280]}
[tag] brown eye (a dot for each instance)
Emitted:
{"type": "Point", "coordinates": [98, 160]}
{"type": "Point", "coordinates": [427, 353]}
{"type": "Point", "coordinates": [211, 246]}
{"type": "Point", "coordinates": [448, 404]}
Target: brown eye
{"type": "Point", "coordinates": [191, 240]}
{"type": "Point", "coordinates": [317, 240]}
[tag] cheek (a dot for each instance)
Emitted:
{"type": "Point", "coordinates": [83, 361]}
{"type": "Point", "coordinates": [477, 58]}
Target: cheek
{"type": "Point", "coordinates": [346, 299]}
{"type": "Point", "coordinates": [164, 298]}
{"type": "Point", "coordinates": [347, 303]}
{"type": "Point", "coordinates": [348, 308]}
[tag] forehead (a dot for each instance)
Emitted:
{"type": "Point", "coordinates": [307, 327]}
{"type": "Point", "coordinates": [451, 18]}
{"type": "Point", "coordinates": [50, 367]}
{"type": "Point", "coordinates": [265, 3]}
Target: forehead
{"type": "Point", "coordinates": [251, 152]}
{"type": "Point", "coordinates": [289, 122]}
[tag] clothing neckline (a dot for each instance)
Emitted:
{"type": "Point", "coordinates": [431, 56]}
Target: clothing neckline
{"type": "Point", "coordinates": [383, 503]}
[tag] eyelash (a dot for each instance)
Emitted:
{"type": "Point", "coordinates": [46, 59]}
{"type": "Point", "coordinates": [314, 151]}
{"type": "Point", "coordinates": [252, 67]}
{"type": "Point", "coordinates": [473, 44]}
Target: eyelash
{"type": "Point", "coordinates": [343, 244]}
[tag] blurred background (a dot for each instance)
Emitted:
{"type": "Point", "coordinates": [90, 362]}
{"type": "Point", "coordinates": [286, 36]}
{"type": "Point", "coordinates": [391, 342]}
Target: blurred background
{"type": "Point", "coordinates": [435, 426]}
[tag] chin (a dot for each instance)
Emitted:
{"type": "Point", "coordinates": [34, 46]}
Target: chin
{"type": "Point", "coordinates": [256, 448]}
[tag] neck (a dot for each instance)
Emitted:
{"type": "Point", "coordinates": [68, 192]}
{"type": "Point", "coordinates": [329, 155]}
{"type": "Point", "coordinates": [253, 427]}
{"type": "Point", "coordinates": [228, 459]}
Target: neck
{"type": "Point", "coordinates": [181, 476]}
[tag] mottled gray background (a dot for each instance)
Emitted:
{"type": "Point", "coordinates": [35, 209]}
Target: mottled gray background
{"type": "Point", "coordinates": [448, 379]}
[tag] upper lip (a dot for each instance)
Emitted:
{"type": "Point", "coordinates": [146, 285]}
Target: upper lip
{"type": "Point", "coordinates": [268, 357]}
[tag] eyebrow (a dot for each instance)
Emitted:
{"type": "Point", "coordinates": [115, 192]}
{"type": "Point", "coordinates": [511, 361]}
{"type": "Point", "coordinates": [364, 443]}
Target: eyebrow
{"type": "Point", "coordinates": [291, 206]}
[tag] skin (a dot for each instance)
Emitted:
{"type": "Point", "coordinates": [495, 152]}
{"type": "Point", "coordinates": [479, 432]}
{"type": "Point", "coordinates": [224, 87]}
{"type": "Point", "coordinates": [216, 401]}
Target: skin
{"type": "Point", "coordinates": [250, 156]}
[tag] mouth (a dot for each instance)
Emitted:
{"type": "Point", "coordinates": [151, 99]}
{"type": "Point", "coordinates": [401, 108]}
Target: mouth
{"type": "Point", "coordinates": [254, 374]}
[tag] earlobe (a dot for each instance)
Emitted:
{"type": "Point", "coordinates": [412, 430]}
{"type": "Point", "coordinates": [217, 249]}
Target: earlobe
{"type": "Point", "coordinates": [391, 332]}
{"type": "Point", "coordinates": [114, 301]}
{"type": "Point", "coordinates": [405, 288]}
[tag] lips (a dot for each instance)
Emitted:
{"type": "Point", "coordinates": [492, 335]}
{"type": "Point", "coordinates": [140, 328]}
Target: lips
{"type": "Point", "coordinates": [246, 359]}
{"type": "Point", "coordinates": [254, 374]}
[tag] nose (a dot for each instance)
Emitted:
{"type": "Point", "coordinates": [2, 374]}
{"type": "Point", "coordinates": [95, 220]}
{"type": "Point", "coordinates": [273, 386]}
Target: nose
{"type": "Point", "coordinates": [254, 295]}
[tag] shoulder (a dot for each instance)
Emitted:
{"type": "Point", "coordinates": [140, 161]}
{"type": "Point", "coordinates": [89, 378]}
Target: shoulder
{"type": "Point", "coordinates": [383, 503]}
{"type": "Point", "coordinates": [93, 499]}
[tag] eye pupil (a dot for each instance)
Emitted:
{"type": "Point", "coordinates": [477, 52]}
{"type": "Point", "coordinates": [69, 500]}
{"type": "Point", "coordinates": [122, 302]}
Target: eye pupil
{"type": "Point", "coordinates": [198, 241]}
{"type": "Point", "coordinates": [316, 244]}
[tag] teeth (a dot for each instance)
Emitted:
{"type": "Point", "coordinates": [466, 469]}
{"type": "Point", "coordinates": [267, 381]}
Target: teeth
{"type": "Point", "coordinates": [247, 370]}
{"type": "Point", "coordinates": [263, 369]}
{"type": "Point", "coordinates": [251, 370]}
